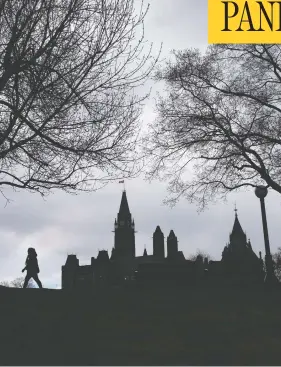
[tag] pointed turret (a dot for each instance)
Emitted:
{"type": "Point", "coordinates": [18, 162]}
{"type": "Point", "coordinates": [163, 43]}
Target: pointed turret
{"type": "Point", "coordinates": [172, 245]}
{"type": "Point", "coordinates": [237, 226]}
{"type": "Point", "coordinates": [158, 230]}
{"type": "Point", "coordinates": [237, 236]}
{"type": "Point", "coordinates": [172, 234]}
{"type": "Point", "coordinates": [158, 243]}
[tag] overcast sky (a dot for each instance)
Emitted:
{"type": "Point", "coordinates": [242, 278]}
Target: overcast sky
{"type": "Point", "coordinates": [82, 224]}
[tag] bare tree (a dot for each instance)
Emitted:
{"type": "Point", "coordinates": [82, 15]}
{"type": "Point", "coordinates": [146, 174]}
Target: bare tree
{"type": "Point", "coordinates": [18, 283]}
{"type": "Point", "coordinates": [218, 127]}
{"type": "Point", "coordinates": [68, 111]}
{"type": "Point", "coordinates": [200, 253]}
{"type": "Point", "coordinates": [276, 257]}
{"type": "Point", "coordinates": [4, 283]}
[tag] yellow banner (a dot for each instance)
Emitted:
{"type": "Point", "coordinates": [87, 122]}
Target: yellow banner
{"type": "Point", "coordinates": [240, 21]}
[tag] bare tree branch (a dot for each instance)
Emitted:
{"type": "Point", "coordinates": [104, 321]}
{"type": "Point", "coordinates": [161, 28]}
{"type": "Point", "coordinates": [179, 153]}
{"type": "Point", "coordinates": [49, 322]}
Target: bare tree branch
{"type": "Point", "coordinates": [18, 283]}
{"type": "Point", "coordinates": [218, 126]}
{"type": "Point", "coordinates": [69, 112]}
{"type": "Point", "coordinates": [276, 257]}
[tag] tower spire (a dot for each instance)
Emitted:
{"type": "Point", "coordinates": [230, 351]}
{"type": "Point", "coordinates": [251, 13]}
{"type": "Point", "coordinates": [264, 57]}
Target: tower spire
{"type": "Point", "coordinates": [124, 206]}
{"type": "Point", "coordinates": [124, 239]}
{"type": "Point", "coordinates": [237, 231]}
{"type": "Point", "coordinates": [237, 226]}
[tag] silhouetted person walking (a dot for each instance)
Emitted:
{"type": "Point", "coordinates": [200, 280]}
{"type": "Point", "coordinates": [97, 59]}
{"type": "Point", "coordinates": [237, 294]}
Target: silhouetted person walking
{"type": "Point", "coordinates": [32, 268]}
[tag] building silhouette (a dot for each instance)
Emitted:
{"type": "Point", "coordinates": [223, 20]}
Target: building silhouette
{"type": "Point", "coordinates": [124, 231]}
{"type": "Point", "coordinates": [239, 263]}
{"type": "Point", "coordinates": [158, 244]}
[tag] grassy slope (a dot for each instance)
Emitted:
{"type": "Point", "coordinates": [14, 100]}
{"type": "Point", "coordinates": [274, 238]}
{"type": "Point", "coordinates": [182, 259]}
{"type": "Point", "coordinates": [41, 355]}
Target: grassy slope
{"type": "Point", "coordinates": [140, 327]}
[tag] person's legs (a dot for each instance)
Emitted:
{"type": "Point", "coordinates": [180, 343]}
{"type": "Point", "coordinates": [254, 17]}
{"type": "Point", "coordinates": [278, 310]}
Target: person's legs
{"type": "Point", "coordinates": [35, 277]}
{"type": "Point", "coordinates": [26, 280]}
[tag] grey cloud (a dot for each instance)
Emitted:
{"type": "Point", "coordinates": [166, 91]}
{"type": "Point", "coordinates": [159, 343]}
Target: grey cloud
{"type": "Point", "coordinates": [177, 23]}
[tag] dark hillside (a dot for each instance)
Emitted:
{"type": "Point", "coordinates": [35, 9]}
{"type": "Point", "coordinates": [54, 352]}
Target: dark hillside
{"type": "Point", "coordinates": [140, 327]}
